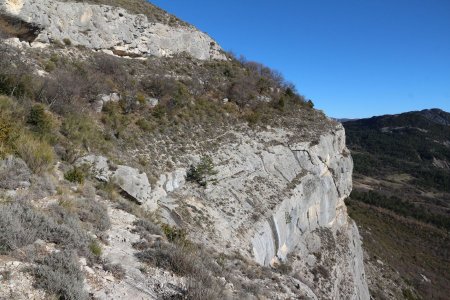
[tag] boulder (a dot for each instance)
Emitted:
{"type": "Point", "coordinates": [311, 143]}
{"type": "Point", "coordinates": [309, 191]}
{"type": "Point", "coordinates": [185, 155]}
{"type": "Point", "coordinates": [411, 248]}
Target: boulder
{"type": "Point", "coordinates": [98, 165]}
{"type": "Point", "coordinates": [134, 183]}
{"type": "Point", "coordinates": [102, 99]}
{"type": "Point", "coordinates": [131, 181]}
{"type": "Point", "coordinates": [152, 102]}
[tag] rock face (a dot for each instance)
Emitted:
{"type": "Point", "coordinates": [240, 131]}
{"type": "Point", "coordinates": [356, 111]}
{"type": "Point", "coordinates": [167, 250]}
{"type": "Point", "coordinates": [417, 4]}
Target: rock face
{"type": "Point", "coordinates": [276, 198]}
{"type": "Point", "coordinates": [108, 28]}
{"type": "Point", "coordinates": [323, 173]}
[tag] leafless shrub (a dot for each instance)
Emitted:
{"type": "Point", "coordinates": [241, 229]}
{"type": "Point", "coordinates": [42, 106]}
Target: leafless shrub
{"type": "Point", "coordinates": [115, 269]}
{"type": "Point", "coordinates": [144, 227]}
{"type": "Point", "coordinates": [203, 287]}
{"type": "Point", "coordinates": [21, 225]}
{"type": "Point", "coordinates": [93, 212]}
{"type": "Point", "coordinates": [14, 173]}
{"type": "Point", "coordinates": [68, 91]}
{"type": "Point", "coordinates": [170, 257]}
{"type": "Point", "coordinates": [60, 275]}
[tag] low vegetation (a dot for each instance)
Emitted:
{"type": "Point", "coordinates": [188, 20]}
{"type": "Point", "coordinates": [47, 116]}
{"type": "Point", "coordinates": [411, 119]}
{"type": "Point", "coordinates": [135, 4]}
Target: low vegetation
{"type": "Point", "coordinates": [402, 207]}
{"type": "Point", "coordinates": [59, 274]}
{"type": "Point", "coordinates": [402, 197]}
{"type": "Point", "coordinates": [76, 174]}
{"type": "Point", "coordinates": [66, 225]}
{"type": "Point", "coordinates": [409, 247]}
{"type": "Point", "coordinates": [182, 257]}
{"type": "Point", "coordinates": [202, 172]}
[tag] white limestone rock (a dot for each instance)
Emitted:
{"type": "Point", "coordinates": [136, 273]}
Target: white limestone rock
{"type": "Point", "coordinates": [134, 183]}
{"type": "Point", "coordinates": [152, 102]}
{"type": "Point", "coordinates": [103, 27]}
{"type": "Point", "coordinates": [98, 165]}
{"type": "Point", "coordinates": [102, 99]}
{"type": "Point", "coordinates": [274, 197]}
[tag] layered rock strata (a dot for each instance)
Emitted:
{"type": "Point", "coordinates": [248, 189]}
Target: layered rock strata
{"type": "Point", "coordinates": [102, 27]}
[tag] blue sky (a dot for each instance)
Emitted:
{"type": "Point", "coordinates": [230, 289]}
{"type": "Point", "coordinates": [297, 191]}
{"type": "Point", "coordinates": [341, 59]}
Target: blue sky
{"type": "Point", "coordinates": [353, 58]}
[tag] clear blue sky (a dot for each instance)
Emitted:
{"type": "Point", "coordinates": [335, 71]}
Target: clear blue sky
{"type": "Point", "coordinates": [353, 58]}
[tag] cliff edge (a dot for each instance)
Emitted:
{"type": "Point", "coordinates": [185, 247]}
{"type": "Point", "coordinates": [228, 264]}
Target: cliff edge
{"type": "Point", "coordinates": [153, 165]}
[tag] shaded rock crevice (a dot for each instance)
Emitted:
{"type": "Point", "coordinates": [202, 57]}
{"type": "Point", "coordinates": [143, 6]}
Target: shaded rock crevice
{"type": "Point", "coordinates": [13, 27]}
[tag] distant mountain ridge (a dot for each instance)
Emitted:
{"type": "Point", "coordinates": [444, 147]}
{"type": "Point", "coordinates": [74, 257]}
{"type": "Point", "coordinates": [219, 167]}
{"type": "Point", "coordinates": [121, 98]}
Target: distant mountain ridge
{"type": "Point", "coordinates": [434, 115]}
{"type": "Point", "coordinates": [434, 124]}
{"type": "Point", "coordinates": [437, 116]}
{"type": "Point", "coordinates": [401, 181]}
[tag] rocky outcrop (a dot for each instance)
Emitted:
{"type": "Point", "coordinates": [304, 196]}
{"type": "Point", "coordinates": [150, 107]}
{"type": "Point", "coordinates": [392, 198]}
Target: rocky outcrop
{"type": "Point", "coordinates": [323, 180]}
{"type": "Point", "coordinates": [134, 183]}
{"type": "Point", "coordinates": [275, 198]}
{"type": "Point", "coordinates": [107, 28]}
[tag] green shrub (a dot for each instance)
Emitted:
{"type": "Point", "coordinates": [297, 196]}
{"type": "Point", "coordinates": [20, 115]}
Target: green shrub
{"type": "Point", "coordinates": [115, 118]}
{"type": "Point", "coordinates": [38, 155]}
{"type": "Point", "coordinates": [140, 98]}
{"type": "Point", "coordinates": [202, 172]}
{"type": "Point", "coordinates": [174, 234]}
{"type": "Point", "coordinates": [40, 119]}
{"type": "Point", "coordinates": [6, 128]}
{"type": "Point", "coordinates": [75, 175]}
{"type": "Point", "coordinates": [18, 85]}
{"type": "Point", "coordinates": [10, 125]}
{"type": "Point", "coordinates": [252, 117]}
{"type": "Point", "coordinates": [145, 125]}
{"type": "Point", "coordinates": [50, 66]}
{"type": "Point", "coordinates": [95, 248]}
{"type": "Point", "coordinates": [67, 42]}
{"type": "Point", "coordinates": [82, 131]}
{"type": "Point", "coordinates": [408, 294]}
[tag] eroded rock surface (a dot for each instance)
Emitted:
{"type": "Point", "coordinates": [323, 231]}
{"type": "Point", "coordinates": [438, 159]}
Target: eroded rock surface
{"type": "Point", "coordinates": [134, 183]}
{"type": "Point", "coordinates": [273, 199]}
{"type": "Point", "coordinates": [108, 28]}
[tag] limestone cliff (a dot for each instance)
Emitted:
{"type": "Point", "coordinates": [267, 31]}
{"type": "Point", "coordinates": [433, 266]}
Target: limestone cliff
{"type": "Point", "coordinates": [271, 222]}
{"type": "Point", "coordinates": [107, 28]}
{"type": "Point", "coordinates": [280, 199]}
{"type": "Point", "coordinates": [275, 200]}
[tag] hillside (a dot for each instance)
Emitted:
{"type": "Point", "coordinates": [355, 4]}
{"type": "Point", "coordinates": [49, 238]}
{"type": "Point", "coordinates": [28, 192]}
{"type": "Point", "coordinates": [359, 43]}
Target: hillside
{"type": "Point", "coordinates": [401, 196]}
{"type": "Point", "coordinates": [138, 160]}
